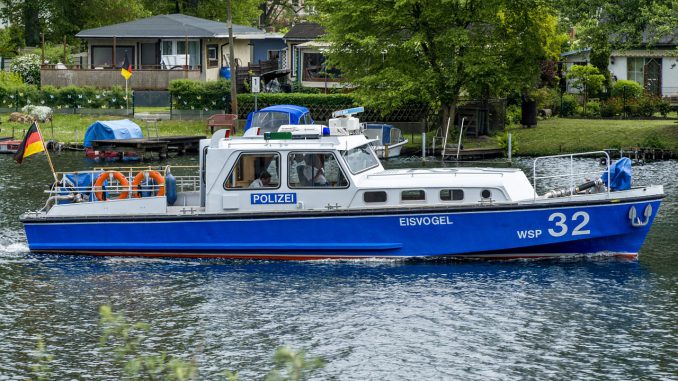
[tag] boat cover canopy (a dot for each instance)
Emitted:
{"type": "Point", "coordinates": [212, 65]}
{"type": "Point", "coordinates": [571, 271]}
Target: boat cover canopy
{"type": "Point", "coordinates": [620, 175]}
{"type": "Point", "coordinates": [296, 114]}
{"type": "Point", "coordinates": [112, 130]}
{"type": "Point", "coordinates": [385, 128]}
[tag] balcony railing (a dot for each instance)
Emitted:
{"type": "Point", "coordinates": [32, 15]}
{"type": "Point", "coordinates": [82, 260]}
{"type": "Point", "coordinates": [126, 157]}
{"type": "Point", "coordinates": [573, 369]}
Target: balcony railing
{"type": "Point", "coordinates": [155, 78]}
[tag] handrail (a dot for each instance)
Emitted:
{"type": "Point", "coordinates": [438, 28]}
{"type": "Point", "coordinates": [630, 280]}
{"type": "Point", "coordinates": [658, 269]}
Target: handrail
{"type": "Point", "coordinates": [571, 174]}
{"type": "Point", "coordinates": [183, 181]}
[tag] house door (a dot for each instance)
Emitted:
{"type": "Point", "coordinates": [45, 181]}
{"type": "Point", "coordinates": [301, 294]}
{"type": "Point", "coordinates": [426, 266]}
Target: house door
{"type": "Point", "coordinates": [653, 76]}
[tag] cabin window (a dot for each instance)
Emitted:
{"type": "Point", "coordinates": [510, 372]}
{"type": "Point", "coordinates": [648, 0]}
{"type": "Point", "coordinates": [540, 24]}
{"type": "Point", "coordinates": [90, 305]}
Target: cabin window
{"type": "Point", "coordinates": [451, 195]}
{"type": "Point", "coordinates": [413, 195]}
{"type": "Point", "coordinates": [315, 170]}
{"type": "Point", "coordinates": [379, 196]}
{"type": "Point", "coordinates": [360, 159]}
{"type": "Point", "coordinates": [254, 170]}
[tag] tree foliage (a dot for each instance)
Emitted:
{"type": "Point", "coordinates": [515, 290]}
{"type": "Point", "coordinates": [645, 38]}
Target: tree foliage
{"type": "Point", "coordinates": [397, 51]}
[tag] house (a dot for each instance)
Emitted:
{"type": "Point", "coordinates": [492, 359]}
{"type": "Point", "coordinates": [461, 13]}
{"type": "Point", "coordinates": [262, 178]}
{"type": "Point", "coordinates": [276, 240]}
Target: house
{"type": "Point", "coordinates": [162, 48]}
{"type": "Point", "coordinates": [305, 57]}
{"type": "Point", "coordinates": [654, 66]}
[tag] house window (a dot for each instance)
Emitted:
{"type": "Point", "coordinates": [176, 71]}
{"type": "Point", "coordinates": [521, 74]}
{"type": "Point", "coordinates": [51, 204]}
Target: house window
{"type": "Point", "coordinates": [149, 56]}
{"type": "Point", "coordinates": [636, 67]}
{"type": "Point", "coordinates": [102, 56]}
{"type": "Point", "coordinates": [174, 54]}
{"type": "Point", "coordinates": [314, 68]}
{"type": "Point", "coordinates": [451, 195]}
{"type": "Point", "coordinates": [212, 55]}
{"type": "Point", "coordinates": [315, 170]}
{"type": "Point", "coordinates": [248, 172]}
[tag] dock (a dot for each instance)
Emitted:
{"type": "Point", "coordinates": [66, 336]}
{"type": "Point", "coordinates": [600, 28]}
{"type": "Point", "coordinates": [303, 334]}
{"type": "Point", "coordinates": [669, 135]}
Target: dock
{"type": "Point", "coordinates": [160, 146]}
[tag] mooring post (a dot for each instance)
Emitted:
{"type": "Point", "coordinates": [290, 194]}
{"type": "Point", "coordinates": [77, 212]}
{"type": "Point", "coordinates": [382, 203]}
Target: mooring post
{"type": "Point", "coordinates": [423, 145]}
{"type": "Point", "coordinates": [509, 147]}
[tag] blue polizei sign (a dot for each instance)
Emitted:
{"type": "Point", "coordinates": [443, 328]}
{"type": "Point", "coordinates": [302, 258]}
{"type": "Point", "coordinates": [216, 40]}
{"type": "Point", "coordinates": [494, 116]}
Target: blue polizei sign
{"type": "Point", "coordinates": [273, 198]}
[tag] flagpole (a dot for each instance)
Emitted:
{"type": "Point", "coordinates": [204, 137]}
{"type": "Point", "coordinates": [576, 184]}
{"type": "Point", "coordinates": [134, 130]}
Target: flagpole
{"type": "Point", "coordinates": [49, 158]}
{"type": "Point", "coordinates": [126, 96]}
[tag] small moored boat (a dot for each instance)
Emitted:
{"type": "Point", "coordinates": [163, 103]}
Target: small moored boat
{"type": "Point", "coordinates": [314, 192]}
{"type": "Point", "coordinates": [388, 140]}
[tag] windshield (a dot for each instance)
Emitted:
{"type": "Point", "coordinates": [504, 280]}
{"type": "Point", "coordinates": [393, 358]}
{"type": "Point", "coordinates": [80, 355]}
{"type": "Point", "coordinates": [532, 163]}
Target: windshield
{"type": "Point", "coordinates": [360, 158]}
{"type": "Point", "coordinates": [270, 121]}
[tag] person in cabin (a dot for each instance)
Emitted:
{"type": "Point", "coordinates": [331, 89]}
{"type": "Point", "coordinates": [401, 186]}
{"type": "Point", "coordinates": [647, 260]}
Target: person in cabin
{"type": "Point", "coordinates": [264, 181]}
{"type": "Point", "coordinates": [314, 171]}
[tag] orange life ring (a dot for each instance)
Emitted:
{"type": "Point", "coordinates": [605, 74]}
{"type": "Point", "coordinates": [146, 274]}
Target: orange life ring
{"type": "Point", "coordinates": [98, 185]}
{"type": "Point", "coordinates": [155, 175]}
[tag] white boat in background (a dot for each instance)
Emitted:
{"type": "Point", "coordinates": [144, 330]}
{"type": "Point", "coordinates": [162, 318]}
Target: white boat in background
{"type": "Point", "coordinates": [388, 139]}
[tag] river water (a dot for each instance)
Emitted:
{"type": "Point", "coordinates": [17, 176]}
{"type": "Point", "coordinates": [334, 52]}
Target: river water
{"type": "Point", "coordinates": [585, 319]}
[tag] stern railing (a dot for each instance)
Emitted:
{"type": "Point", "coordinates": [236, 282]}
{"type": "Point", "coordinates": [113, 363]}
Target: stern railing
{"type": "Point", "coordinates": [571, 175]}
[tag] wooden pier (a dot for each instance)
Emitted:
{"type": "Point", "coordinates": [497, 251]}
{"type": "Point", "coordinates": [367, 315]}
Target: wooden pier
{"type": "Point", "coordinates": [160, 146]}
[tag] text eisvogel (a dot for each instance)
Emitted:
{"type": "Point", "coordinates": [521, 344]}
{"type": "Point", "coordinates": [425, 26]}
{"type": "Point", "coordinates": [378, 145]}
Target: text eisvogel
{"type": "Point", "coordinates": [425, 221]}
{"type": "Point", "coordinates": [273, 198]}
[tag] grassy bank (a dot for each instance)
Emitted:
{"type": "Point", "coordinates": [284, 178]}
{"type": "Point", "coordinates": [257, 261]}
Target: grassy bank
{"type": "Point", "coordinates": [71, 128]}
{"type": "Point", "coordinates": [561, 135]}
{"type": "Point", "coordinates": [551, 136]}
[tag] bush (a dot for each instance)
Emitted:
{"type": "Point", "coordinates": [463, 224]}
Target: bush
{"type": "Point", "coordinates": [592, 109]}
{"type": "Point", "coordinates": [633, 89]}
{"type": "Point", "coordinates": [28, 67]}
{"type": "Point", "coordinates": [644, 106]}
{"type": "Point", "coordinates": [664, 107]}
{"type": "Point", "coordinates": [568, 105]}
{"type": "Point", "coordinates": [513, 115]}
{"type": "Point", "coordinates": [611, 107]}
{"type": "Point", "coordinates": [41, 113]}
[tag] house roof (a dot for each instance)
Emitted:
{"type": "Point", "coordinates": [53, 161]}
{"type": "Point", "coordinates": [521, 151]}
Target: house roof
{"type": "Point", "coordinates": [305, 31]}
{"type": "Point", "coordinates": [174, 25]}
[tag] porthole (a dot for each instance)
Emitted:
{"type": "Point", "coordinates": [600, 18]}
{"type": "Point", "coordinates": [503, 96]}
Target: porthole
{"type": "Point", "coordinates": [485, 193]}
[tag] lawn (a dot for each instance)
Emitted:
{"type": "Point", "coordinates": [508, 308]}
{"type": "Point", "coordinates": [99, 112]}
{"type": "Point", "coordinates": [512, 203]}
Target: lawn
{"type": "Point", "coordinates": [551, 136]}
{"type": "Point", "coordinates": [71, 128]}
{"type": "Point", "coordinates": [563, 135]}
{"type": "Point", "coordinates": [558, 135]}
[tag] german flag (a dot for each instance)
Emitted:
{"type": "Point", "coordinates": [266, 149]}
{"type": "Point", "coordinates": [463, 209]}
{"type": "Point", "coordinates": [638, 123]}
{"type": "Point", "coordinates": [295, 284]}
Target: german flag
{"type": "Point", "coordinates": [126, 70]}
{"type": "Point", "coordinates": [31, 144]}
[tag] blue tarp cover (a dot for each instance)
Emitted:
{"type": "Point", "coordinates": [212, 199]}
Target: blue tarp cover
{"type": "Point", "coordinates": [620, 175]}
{"type": "Point", "coordinates": [112, 129]}
{"type": "Point", "coordinates": [385, 128]}
{"type": "Point", "coordinates": [295, 113]}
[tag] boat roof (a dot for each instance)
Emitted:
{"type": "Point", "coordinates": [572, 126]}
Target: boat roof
{"type": "Point", "coordinates": [319, 143]}
{"type": "Point", "coordinates": [290, 109]}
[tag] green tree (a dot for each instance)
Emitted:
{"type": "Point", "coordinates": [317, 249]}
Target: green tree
{"type": "Point", "coordinates": [397, 51]}
{"type": "Point", "coordinates": [587, 79]}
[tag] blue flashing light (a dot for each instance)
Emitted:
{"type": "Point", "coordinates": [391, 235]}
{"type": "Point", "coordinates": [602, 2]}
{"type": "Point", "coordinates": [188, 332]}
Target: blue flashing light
{"type": "Point", "coordinates": [326, 131]}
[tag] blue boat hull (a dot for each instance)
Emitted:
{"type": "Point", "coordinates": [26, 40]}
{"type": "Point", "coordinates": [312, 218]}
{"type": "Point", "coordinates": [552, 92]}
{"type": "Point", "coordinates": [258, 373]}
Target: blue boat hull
{"type": "Point", "coordinates": [482, 232]}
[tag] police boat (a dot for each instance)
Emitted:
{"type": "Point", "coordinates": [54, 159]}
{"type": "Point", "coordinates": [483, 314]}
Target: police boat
{"type": "Point", "coordinates": [317, 192]}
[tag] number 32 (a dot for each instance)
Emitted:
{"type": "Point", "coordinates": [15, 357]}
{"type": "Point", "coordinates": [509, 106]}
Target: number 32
{"type": "Point", "coordinates": [562, 229]}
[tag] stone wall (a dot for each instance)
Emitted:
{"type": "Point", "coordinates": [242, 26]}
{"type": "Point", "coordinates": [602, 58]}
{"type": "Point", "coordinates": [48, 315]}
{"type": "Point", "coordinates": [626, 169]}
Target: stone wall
{"type": "Point", "coordinates": [140, 80]}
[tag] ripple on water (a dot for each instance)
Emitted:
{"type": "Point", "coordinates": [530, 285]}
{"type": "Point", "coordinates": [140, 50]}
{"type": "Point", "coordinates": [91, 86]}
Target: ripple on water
{"type": "Point", "coordinates": [601, 319]}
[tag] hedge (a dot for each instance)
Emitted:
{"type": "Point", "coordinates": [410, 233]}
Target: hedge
{"type": "Point", "coordinates": [65, 97]}
{"type": "Point", "coordinates": [198, 95]}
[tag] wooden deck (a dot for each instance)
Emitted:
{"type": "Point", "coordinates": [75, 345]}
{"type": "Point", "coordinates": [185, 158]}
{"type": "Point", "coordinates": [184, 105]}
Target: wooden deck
{"type": "Point", "coordinates": [160, 146]}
